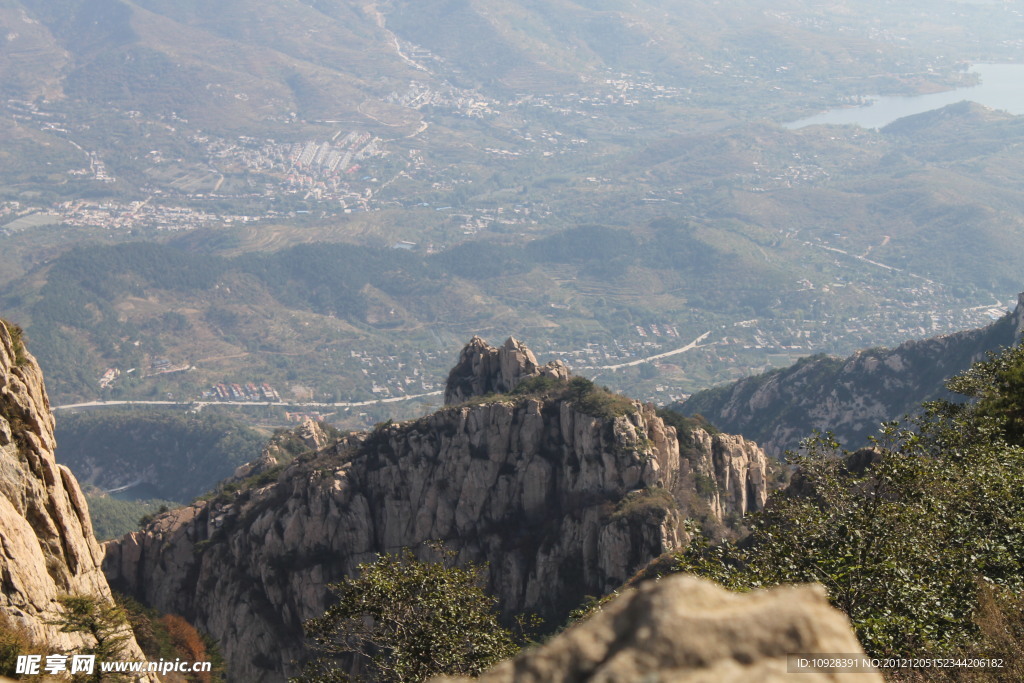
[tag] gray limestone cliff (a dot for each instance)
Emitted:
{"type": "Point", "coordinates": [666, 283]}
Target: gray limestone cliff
{"type": "Point", "coordinates": [737, 467]}
{"type": "Point", "coordinates": [850, 397]}
{"type": "Point", "coordinates": [45, 532]}
{"type": "Point", "coordinates": [560, 503]}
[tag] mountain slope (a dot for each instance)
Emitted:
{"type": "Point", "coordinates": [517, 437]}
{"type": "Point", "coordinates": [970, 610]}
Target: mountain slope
{"type": "Point", "coordinates": [249, 62]}
{"type": "Point", "coordinates": [565, 490]}
{"type": "Point", "coordinates": [330, 56]}
{"type": "Point", "coordinates": [848, 397]}
{"type": "Point", "coordinates": [155, 454]}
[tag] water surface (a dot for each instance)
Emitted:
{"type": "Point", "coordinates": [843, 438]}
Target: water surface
{"type": "Point", "coordinates": [1001, 87]}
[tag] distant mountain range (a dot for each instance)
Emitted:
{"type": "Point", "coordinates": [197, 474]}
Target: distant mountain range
{"type": "Point", "coordinates": [285, 69]}
{"type": "Point", "coordinates": [328, 58]}
{"type": "Point", "coordinates": [850, 397]}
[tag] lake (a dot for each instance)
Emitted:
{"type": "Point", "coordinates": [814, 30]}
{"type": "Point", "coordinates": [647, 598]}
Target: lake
{"type": "Point", "coordinates": [1001, 87]}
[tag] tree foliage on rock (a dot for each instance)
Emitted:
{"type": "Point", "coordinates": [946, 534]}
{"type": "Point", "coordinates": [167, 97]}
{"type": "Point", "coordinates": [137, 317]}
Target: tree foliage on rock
{"type": "Point", "coordinates": [103, 622]}
{"type": "Point", "coordinates": [402, 619]}
{"type": "Point", "coordinates": [904, 535]}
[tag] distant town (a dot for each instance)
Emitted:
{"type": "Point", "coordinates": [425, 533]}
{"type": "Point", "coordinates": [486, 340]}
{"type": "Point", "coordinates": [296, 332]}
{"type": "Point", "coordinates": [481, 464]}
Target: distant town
{"type": "Point", "coordinates": [737, 349]}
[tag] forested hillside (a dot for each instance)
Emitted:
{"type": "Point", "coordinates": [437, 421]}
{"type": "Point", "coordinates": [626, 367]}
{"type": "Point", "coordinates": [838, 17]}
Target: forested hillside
{"type": "Point", "coordinates": [171, 455]}
{"type": "Point", "coordinates": [919, 538]}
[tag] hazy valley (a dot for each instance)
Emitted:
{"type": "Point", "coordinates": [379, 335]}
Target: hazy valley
{"type": "Point", "coordinates": [381, 128]}
{"type": "Point", "coordinates": [246, 242]}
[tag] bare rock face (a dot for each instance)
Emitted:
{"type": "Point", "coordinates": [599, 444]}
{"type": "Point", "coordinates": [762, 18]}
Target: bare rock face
{"type": "Point", "coordinates": [483, 369]}
{"type": "Point", "coordinates": [48, 545]}
{"type": "Point", "coordinates": [685, 629]}
{"type": "Point", "coordinates": [738, 468]}
{"type": "Point", "coordinates": [560, 504]}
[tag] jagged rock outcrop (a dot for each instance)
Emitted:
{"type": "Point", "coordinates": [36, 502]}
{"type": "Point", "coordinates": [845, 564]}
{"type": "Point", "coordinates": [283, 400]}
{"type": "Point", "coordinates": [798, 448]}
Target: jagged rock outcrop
{"type": "Point", "coordinates": [683, 629]}
{"type": "Point", "coordinates": [850, 397]}
{"type": "Point", "coordinates": [45, 532]}
{"type": "Point", "coordinates": [484, 369]}
{"type": "Point", "coordinates": [737, 467]}
{"type": "Point", "coordinates": [561, 504]}
{"type": "Point", "coordinates": [310, 435]}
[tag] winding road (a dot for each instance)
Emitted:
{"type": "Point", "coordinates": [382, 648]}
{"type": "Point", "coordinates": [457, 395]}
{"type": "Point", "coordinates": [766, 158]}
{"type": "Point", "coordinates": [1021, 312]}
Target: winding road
{"type": "Point", "coordinates": [199, 405]}
{"type": "Point", "coordinates": [682, 349]}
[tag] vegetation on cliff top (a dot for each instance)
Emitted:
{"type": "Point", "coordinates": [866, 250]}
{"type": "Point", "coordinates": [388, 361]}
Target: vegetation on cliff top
{"type": "Point", "coordinates": [920, 539]}
{"type": "Point", "coordinates": [588, 397]}
{"type": "Point", "coordinates": [18, 339]}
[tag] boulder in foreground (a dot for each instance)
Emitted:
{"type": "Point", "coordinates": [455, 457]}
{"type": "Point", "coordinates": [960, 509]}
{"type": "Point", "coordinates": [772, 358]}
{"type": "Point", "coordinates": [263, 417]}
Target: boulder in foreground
{"type": "Point", "coordinates": [683, 628]}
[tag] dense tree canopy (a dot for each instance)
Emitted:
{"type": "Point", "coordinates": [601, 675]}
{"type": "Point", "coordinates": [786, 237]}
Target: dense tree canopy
{"type": "Point", "coordinates": [910, 536]}
{"type": "Point", "coordinates": [403, 620]}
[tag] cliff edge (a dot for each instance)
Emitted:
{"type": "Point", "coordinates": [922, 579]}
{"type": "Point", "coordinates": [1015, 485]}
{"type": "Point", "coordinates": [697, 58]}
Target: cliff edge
{"type": "Point", "coordinates": [48, 545]}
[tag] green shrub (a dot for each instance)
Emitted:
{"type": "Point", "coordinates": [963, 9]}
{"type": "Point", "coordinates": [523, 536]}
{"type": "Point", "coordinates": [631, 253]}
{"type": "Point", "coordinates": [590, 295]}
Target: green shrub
{"type": "Point", "coordinates": [684, 425]}
{"type": "Point", "coordinates": [18, 341]}
{"type": "Point", "coordinates": [408, 620]}
{"type": "Point", "coordinates": [541, 385]}
{"type": "Point", "coordinates": [103, 622]}
{"type": "Point", "coordinates": [902, 535]}
{"type": "Point", "coordinates": [645, 505]}
{"type": "Point", "coordinates": [597, 401]}
{"type": "Point", "coordinates": [590, 399]}
{"type": "Point", "coordinates": [705, 484]}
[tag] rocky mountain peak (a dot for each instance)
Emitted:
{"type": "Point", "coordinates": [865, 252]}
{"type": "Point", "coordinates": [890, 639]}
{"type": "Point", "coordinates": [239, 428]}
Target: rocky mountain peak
{"type": "Point", "coordinates": [557, 497]}
{"type": "Point", "coordinates": [485, 369]}
{"type": "Point", "coordinates": [310, 434]}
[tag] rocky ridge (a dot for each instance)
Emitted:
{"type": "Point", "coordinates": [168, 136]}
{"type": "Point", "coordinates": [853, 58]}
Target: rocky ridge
{"type": "Point", "coordinates": [48, 545]}
{"type": "Point", "coordinates": [848, 397]}
{"type": "Point", "coordinates": [557, 501]}
{"type": "Point", "coordinates": [309, 436]}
